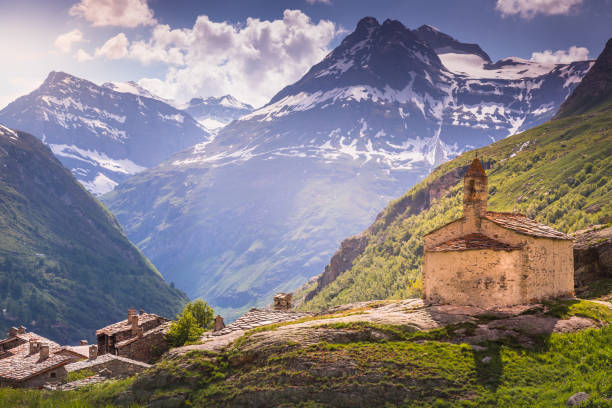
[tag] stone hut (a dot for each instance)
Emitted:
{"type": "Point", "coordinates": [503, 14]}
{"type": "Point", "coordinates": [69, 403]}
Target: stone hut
{"type": "Point", "coordinates": [492, 259]}
{"type": "Point", "coordinates": [282, 301]}
{"type": "Point", "coordinates": [30, 360]}
{"type": "Point", "coordinates": [141, 337]}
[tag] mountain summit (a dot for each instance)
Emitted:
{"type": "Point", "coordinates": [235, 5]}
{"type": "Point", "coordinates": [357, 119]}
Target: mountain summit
{"type": "Point", "coordinates": [102, 133]}
{"type": "Point", "coordinates": [262, 207]}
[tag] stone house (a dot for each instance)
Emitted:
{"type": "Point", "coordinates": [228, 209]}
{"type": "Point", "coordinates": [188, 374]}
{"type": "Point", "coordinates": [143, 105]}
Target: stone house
{"type": "Point", "coordinates": [283, 301]}
{"type": "Point", "coordinates": [108, 365]}
{"type": "Point", "coordinates": [141, 337]}
{"type": "Point", "coordinates": [30, 360]}
{"type": "Point", "coordinates": [491, 259]}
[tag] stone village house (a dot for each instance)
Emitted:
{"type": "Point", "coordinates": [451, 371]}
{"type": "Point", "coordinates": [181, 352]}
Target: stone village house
{"type": "Point", "coordinates": [492, 259]}
{"type": "Point", "coordinates": [30, 360]}
{"type": "Point", "coordinates": [141, 337]}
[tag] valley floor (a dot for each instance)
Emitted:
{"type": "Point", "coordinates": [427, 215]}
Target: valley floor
{"type": "Point", "coordinates": [385, 353]}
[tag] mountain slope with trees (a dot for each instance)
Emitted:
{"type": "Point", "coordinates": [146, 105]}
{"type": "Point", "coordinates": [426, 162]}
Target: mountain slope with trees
{"type": "Point", "coordinates": [66, 267]}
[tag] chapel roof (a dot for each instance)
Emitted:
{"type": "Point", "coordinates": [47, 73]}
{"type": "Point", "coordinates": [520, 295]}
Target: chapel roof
{"type": "Point", "coordinates": [472, 242]}
{"type": "Point", "coordinates": [476, 169]}
{"type": "Point", "coordinates": [524, 225]}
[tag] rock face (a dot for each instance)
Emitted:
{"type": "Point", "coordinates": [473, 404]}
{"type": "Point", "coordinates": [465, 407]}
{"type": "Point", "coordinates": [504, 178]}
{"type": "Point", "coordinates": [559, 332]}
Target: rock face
{"type": "Point", "coordinates": [592, 254]}
{"type": "Point", "coordinates": [262, 208]}
{"type": "Point", "coordinates": [103, 134]}
{"type": "Point", "coordinates": [595, 88]}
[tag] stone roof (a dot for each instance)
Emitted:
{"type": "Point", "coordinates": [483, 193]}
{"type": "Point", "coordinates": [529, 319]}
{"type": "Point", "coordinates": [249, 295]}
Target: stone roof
{"type": "Point", "coordinates": [471, 242]}
{"type": "Point", "coordinates": [256, 318]}
{"type": "Point", "coordinates": [18, 364]}
{"type": "Point", "coordinates": [80, 350]}
{"type": "Point", "coordinates": [125, 326]}
{"type": "Point", "coordinates": [104, 358]}
{"type": "Point", "coordinates": [523, 225]}
{"type": "Point", "coordinates": [476, 169]}
{"type": "Point", "coordinates": [161, 328]}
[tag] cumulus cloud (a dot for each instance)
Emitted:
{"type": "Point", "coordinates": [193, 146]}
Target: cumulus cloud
{"type": "Point", "coordinates": [123, 13]}
{"type": "Point", "coordinates": [252, 60]}
{"type": "Point", "coordinates": [561, 56]}
{"type": "Point", "coordinates": [530, 8]}
{"type": "Point", "coordinates": [115, 48]}
{"type": "Point", "coordinates": [64, 42]}
{"type": "Point", "coordinates": [82, 56]}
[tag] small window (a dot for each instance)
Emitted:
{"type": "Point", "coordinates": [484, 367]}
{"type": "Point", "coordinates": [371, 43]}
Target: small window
{"type": "Point", "coordinates": [53, 375]}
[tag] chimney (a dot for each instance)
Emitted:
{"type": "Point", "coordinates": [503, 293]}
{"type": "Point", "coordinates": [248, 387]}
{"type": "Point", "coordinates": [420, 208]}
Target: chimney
{"type": "Point", "coordinates": [44, 351]}
{"type": "Point", "coordinates": [475, 192]}
{"type": "Point", "coordinates": [141, 312]}
{"type": "Point", "coordinates": [131, 312]}
{"type": "Point", "coordinates": [135, 328]}
{"type": "Point", "coordinates": [34, 346]}
{"type": "Point", "coordinates": [12, 332]}
{"type": "Point", "coordinates": [282, 301]}
{"type": "Point", "coordinates": [93, 352]}
{"type": "Point", "coordinates": [219, 324]}
{"type": "Point", "coordinates": [21, 330]}
{"type": "Point", "coordinates": [83, 343]}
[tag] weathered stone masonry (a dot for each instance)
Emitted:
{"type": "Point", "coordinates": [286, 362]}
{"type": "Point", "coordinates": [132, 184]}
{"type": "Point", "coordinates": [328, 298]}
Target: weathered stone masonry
{"type": "Point", "coordinates": [491, 259]}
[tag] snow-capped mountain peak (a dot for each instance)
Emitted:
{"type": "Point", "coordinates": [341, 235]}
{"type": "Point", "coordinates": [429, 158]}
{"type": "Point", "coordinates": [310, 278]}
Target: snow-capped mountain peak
{"type": "Point", "coordinates": [215, 112]}
{"type": "Point", "coordinates": [102, 133]}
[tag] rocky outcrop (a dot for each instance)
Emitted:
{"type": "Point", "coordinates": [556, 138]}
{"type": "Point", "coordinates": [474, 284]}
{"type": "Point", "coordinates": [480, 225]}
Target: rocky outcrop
{"type": "Point", "coordinates": [592, 254]}
{"type": "Point", "coordinates": [596, 86]}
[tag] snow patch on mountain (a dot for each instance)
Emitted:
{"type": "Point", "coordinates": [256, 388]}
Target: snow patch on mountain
{"type": "Point", "coordinates": [101, 184]}
{"type": "Point", "coordinates": [8, 132]}
{"type": "Point", "coordinates": [96, 158]}
{"type": "Point", "coordinates": [474, 66]}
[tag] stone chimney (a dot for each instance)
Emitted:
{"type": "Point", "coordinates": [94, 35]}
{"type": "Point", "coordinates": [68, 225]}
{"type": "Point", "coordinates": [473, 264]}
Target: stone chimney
{"type": "Point", "coordinates": [219, 324]}
{"type": "Point", "coordinates": [34, 346]}
{"type": "Point", "coordinates": [475, 194]}
{"type": "Point", "coordinates": [136, 330]}
{"type": "Point", "coordinates": [21, 330]}
{"type": "Point", "coordinates": [12, 332]}
{"type": "Point", "coordinates": [83, 343]}
{"type": "Point", "coordinates": [93, 352]}
{"type": "Point", "coordinates": [131, 313]}
{"type": "Point", "coordinates": [44, 351]}
{"type": "Point", "coordinates": [282, 301]}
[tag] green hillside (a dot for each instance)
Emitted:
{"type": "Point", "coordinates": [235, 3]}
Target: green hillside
{"type": "Point", "coordinates": [66, 267]}
{"type": "Point", "coordinates": [559, 173]}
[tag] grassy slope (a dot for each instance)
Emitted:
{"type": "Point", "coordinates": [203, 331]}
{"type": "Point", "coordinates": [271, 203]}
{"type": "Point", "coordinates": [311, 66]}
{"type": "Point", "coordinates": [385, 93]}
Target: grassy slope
{"type": "Point", "coordinates": [409, 369]}
{"type": "Point", "coordinates": [66, 268]}
{"type": "Point", "coordinates": [559, 173]}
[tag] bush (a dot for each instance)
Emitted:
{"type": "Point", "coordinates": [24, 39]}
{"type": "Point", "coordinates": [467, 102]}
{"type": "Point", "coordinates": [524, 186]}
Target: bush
{"type": "Point", "coordinates": [196, 317]}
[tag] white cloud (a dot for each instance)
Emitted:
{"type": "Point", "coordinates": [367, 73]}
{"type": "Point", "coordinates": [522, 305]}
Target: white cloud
{"type": "Point", "coordinates": [124, 13]}
{"type": "Point", "coordinates": [530, 8]}
{"type": "Point", "coordinates": [561, 56]}
{"type": "Point", "coordinates": [82, 56]}
{"type": "Point", "coordinates": [318, 1]}
{"type": "Point", "coordinates": [115, 48]}
{"type": "Point", "coordinates": [64, 42]}
{"type": "Point", "coordinates": [251, 61]}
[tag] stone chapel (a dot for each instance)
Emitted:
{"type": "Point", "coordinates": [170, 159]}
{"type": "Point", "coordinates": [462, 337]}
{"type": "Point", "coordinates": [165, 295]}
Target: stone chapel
{"type": "Point", "coordinates": [493, 259]}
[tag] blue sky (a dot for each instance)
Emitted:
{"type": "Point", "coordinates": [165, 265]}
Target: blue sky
{"type": "Point", "coordinates": [252, 48]}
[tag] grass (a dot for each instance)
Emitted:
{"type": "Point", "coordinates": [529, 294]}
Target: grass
{"type": "Point", "coordinates": [98, 395]}
{"type": "Point", "coordinates": [409, 369]}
